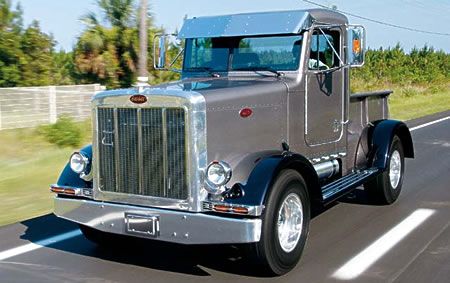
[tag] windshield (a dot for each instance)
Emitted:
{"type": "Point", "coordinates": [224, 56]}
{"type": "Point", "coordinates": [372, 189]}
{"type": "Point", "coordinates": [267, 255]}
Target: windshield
{"type": "Point", "coordinates": [276, 53]}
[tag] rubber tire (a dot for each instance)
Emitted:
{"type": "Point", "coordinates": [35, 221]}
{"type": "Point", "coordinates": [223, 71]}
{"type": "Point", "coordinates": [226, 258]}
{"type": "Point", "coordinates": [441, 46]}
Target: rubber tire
{"type": "Point", "coordinates": [380, 190]}
{"type": "Point", "coordinates": [267, 253]}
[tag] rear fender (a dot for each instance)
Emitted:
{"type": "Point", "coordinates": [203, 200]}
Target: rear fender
{"type": "Point", "coordinates": [381, 139]}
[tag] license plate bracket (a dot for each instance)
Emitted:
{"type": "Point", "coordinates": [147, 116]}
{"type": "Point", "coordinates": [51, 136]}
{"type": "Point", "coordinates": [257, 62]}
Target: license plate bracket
{"type": "Point", "coordinates": [142, 225]}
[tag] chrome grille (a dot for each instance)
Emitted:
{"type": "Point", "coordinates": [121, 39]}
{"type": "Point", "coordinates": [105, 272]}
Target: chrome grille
{"type": "Point", "coordinates": [143, 151]}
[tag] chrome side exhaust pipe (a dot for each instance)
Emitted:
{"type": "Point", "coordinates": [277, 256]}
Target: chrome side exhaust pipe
{"type": "Point", "coordinates": [327, 169]}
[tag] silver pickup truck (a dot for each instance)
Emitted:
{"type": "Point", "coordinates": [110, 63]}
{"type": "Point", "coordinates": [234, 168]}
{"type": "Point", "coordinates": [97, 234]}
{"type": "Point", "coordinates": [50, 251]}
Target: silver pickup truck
{"type": "Point", "coordinates": [260, 131]}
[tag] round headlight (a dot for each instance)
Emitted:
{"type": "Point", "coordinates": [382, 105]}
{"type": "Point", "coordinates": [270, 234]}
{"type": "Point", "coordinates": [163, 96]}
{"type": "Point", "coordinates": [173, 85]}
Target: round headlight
{"type": "Point", "coordinates": [79, 162]}
{"type": "Point", "coordinates": [218, 173]}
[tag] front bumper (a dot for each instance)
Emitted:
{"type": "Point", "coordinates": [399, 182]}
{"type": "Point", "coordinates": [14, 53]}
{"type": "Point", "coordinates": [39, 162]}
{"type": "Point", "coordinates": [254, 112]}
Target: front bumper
{"type": "Point", "coordinates": [174, 226]}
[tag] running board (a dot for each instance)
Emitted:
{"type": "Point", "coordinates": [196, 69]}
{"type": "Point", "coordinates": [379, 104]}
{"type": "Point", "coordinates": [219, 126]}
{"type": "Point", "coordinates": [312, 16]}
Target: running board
{"type": "Point", "coordinates": [344, 185]}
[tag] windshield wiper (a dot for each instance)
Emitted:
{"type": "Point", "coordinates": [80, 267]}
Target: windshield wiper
{"type": "Point", "coordinates": [255, 69]}
{"type": "Point", "coordinates": [209, 70]}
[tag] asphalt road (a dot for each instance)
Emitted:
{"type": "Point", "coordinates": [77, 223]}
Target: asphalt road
{"type": "Point", "coordinates": [405, 242]}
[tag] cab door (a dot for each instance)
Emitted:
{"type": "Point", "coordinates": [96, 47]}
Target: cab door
{"type": "Point", "coordinates": [324, 88]}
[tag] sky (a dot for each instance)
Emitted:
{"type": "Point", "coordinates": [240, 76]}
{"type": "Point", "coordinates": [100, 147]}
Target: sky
{"type": "Point", "coordinates": [61, 17]}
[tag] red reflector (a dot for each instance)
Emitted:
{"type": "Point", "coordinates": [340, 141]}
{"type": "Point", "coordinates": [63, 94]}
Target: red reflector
{"type": "Point", "coordinates": [246, 112]}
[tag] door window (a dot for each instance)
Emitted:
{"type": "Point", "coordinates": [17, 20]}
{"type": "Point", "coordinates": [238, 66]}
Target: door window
{"type": "Point", "coordinates": [322, 56]}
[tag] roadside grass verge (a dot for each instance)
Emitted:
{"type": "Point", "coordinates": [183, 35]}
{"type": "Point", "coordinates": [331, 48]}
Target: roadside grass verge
{"type": "Point", "coordinates": [28, 165]}
{"type": "Point", "coordinates": [418, 105]}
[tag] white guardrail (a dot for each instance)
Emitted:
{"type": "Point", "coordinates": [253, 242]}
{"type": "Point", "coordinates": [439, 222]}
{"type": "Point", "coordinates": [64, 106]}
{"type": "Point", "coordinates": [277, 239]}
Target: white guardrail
{"type": "Point", "coordinates": [24, 107]}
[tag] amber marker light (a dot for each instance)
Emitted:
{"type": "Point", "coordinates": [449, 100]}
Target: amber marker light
{"type": "Point", "coordinates": [56, 190]}
{"type": "Point", "coordinates": [230, 209]}
{"type": "Point", "coordinates": [240, 210]}
{"type": "Point", "coordinates": [66, 191]}
{"type": "Point", "coordinates": [356, 46]}
{"type": "Point", "coordinates": [222, 208]}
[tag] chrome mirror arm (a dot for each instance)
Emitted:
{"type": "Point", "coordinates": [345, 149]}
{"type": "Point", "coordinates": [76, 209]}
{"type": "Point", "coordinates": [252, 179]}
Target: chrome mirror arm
{"type": "Point", "coordinates": [332, 47]}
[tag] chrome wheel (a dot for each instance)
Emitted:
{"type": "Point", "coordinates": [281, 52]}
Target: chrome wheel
{"type": "Point", "coordinates": [395, 169]}
{"type": "Point", "coordinates": [290, 222]}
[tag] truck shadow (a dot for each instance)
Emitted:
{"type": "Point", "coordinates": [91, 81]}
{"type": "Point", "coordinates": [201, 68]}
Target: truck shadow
{"type": "Point", "coordinates": [359, 196]}
{"type": "Point", "coordinates": [192, 260]}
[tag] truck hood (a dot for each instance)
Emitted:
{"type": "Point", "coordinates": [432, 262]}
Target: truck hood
{"type": "Point", "coordinates": [216, 86]}
{"type": "Point", "coordinates": [211, 88]}
{"type": "Point", "coordinates": [230, 137]}
{"type": "Point", "coordinates": [240, 140]}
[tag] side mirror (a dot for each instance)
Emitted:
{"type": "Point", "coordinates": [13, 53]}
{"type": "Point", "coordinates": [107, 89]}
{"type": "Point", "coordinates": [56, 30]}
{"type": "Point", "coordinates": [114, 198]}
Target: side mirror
{"type": "Point", "coordinates": [356, 35]}
{"type": "Point", "coordinates": [160, 44]}
{"type": "Point", "coordinates": [159, 47]}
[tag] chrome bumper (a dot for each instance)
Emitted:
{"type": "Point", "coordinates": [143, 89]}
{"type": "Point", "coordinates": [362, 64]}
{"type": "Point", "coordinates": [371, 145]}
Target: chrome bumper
{"type": "Point", "coordinates": [174, 226]}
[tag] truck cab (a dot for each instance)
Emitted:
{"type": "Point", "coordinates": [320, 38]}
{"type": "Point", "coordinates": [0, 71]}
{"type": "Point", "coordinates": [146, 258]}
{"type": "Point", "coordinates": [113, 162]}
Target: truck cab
{"type": "Point", "coordinates": [260, 130]}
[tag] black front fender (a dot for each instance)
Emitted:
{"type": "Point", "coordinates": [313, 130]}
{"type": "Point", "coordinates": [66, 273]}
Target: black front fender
{"type": "Point", "coordinates": [71, 179]}
{"type": "Point", "coordinates": [261, 179]}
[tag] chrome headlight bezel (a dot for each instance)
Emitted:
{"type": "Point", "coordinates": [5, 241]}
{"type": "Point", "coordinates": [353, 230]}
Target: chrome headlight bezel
{"type": "Point", "coordinates": [217, 175]}
{"type": "Point", "coordinates": [79, 162]}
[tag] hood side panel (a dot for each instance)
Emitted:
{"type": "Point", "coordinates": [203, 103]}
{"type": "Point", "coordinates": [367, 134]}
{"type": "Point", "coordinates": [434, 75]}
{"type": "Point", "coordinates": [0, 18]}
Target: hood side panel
{"type": "Point", "coordinates": [241, 141]}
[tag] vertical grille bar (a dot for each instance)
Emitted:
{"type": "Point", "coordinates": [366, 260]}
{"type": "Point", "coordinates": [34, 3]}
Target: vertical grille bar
{"type": "Point", "coordinates": [128, 156]}
{"type": "Point", "coordinates": [106, 142]}
{"type": "Point", "coordinates": [140, 152]}
{"type": "Point", "coordinates": [176, 154]}
{"type": "Point", "coordinates": [152, 139]}
{"type": "Point", "coordinates": [164, 143]}
{"type": "Point", "coordinates": [116, 173]}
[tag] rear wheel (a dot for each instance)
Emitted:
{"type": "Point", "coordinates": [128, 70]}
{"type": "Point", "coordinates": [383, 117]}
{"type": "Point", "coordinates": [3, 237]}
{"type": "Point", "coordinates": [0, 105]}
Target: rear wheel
{"type": "Point", "coordinates": [285, 224]}
{"type": "Point", "coordinates": [386, 187]}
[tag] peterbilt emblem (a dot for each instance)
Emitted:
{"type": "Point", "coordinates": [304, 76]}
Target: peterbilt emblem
{"type": "Point", "coordinates": [138, 99]}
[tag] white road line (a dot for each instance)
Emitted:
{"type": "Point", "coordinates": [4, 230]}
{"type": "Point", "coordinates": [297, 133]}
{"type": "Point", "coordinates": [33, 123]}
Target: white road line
{"type": "Point", "coordinates": [39, 244]}
{"type": "Point", "coordinates": [362, 261]}
{"type": "Point", "coordinates": [429, 123]}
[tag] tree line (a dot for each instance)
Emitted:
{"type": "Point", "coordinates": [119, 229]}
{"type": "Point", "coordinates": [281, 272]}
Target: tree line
{"type": "Point", "coordinates": [106, 52]}
{"type": "Point", "coordinates": [27, 54]}
{"type": "Point", "coordinates": [421, 66]}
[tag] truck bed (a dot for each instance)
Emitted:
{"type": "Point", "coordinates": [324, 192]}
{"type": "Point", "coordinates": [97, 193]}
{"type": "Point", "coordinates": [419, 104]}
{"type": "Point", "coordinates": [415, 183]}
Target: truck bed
{"type": "Point", "coordinates": [364, 108]}
{"type": "Point", "coordinates": [367, 107]}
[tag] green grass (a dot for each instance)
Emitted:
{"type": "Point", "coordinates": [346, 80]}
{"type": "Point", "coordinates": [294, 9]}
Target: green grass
{"type": "Point", "coordinates": [417, 105]}
{"type": "Point", "coordinates": [28, 165]}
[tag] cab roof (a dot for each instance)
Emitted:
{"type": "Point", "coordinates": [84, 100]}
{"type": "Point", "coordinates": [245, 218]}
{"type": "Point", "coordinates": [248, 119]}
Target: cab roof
{"type": "Point", "coordinates": [261, 23]}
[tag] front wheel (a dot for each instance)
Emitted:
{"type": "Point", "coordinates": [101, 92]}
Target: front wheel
{"type": "Point", "coordinates": [386, 187]}
{"type": "Point", "coordinates": [285, 224]}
